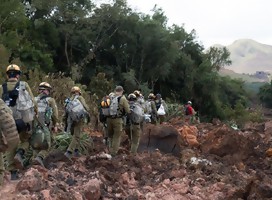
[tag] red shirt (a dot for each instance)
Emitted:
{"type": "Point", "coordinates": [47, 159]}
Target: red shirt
{"type": "Point", "coordinates": [189, 110]}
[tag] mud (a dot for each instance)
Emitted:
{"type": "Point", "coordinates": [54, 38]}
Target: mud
{"type": "Point", "coordinates": [228, 164]}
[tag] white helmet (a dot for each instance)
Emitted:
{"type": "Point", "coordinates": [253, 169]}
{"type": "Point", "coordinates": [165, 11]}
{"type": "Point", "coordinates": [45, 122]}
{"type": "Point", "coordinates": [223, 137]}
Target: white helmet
{"type": "Point", "coordinates": [189, 102]}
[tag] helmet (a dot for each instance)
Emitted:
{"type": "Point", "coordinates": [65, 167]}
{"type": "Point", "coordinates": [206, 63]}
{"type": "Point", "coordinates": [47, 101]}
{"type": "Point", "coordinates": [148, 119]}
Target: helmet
{"type": "Point", "coordinates": [137, 93]}
{"type": "Point", "coordinates": [132, 97]}
{"type": "Point", "coordinates": [119, 88]}
{"type": "Point", "coordinates": [158, 96]}
{"type": "Point", "coordinates": [14, 68]}
{"type": "Point", "coordinates": [75, 89]}
{"type": "Point", "coordinates": [151, 96]}
{"type": "Point", "coordinates": [189, 102]}
{"type": "Point", "coordinates": [45, 86]}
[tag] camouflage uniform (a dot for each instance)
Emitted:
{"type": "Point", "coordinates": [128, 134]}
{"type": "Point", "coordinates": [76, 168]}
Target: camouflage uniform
{"type": "Point", "coordinates": [115, 125]}
{"type": "Point", "coordinates": [24, 136]}
{"type": "Point", "coordinates": [141, 101]}
{"type": "Point", "coordinates": [76, 127]}
{"type": "Point", "coordinates": [54, 120]}
{"type": "Point", "coordinates": [154, 114]}
{"type": "Point", "coordinates": [9, 139]}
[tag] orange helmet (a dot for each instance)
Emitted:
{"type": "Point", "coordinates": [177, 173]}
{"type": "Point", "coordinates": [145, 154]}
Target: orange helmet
{"type": "Point", "coordinates": [75, 89]}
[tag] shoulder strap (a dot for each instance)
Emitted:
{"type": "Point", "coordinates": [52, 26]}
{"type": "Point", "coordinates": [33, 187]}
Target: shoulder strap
{"type": "Point", "coordinates": [5, 88]}
{"type": "Point", "coordinates": [46, 97]}
{"type": "Point", "coordinates": [21, 84]}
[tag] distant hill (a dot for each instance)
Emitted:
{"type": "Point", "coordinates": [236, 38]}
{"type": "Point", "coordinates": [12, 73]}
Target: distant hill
{"type": "Point", "coordinates": [249, 56]}
{"type": "Point", "coordinates": [244, 77]}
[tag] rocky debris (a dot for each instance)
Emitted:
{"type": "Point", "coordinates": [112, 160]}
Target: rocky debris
{"type": "Point", "coordinates": [32, 181]}
{"type": "Point", "coordinates": [162, 137]}
{"type": "Point", "coordinates": [226, 142]}
{"type": "Point", "coordinates": [269, 152]}
{"type": "Point", "coordinates": [91, 190]}
{"type": "Point", "coordinates": [227, 164]}
{"type": "Point", "coordinates": [188, 134]}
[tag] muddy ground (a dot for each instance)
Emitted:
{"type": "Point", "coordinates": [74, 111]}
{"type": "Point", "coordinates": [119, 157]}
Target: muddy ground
{"type": "Point", "coordinates": [175, 161]}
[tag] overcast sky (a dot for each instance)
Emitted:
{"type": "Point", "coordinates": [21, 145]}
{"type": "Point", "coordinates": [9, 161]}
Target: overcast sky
{"type": "Point", "coordinates": [217, 21]}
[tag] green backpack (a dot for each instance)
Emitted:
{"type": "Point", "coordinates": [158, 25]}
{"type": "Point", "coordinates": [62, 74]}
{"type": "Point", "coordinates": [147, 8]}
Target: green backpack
{"type": "Point", "coordinates": [41, 136]}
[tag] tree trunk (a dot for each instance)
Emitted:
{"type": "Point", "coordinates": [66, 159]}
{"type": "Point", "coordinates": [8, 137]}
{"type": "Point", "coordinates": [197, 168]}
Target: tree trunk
{"type": "Point", "coordinates": [66, 50]}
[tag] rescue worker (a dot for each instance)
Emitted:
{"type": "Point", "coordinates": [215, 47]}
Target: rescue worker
{"type": "Point", "coordinates": [133, 130]}
{"type": "Point", "coordinates": [141, 101]}
{"type": "Point", "coordinates": [24, 127]}
{"type": "Point", "coordinates": [189, 112]}
{"type": "Point", "coordinates": [151, 108]}
{"type": "Point", "coordinates": [76, 126]}
{"type": "Point", "coordinates": [48, 115]}
{"type": "Point", "coordinates": [161, 108]}
{"type": "Point", "coordinates": [140, 98]}
{"type": "Point", "coordinates": [115, 122]}
{"type": "Point", "coordinates": [9, 140]}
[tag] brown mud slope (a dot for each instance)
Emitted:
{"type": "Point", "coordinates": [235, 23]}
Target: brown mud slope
{"type": "Point", "coordinates": [225, 164]}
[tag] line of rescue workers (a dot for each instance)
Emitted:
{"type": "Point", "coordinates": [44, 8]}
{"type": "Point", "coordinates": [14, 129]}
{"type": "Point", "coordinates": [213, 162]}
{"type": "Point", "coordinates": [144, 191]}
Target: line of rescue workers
{"type": "Point", "coordinates": [28, 122]}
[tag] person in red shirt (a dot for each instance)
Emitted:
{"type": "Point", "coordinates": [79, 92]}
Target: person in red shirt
{"type": "Point", "coordinates": [189, 112]}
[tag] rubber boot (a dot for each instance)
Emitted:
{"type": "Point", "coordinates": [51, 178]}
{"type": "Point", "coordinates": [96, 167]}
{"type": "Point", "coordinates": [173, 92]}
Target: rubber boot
{"type": "Point", "coordinates": [18, 159]}
{"type": "Point", "coordinates": [14, 175]}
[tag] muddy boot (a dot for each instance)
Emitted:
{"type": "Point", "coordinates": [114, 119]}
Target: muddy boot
{"type": "Point", "coordinates": [76, 153]}
{"type": "Point", "coordinates": [18, 159]}
{"type": "Point", "coordinates": [14, 175]}
{"type": "Point", "coordinates": [38, 161]}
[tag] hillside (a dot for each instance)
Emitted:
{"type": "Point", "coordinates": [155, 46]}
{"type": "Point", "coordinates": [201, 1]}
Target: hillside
{"type": "Point", "coordinates": [244, 77]}
{"type": "Point", "coordinates": [249, 56]}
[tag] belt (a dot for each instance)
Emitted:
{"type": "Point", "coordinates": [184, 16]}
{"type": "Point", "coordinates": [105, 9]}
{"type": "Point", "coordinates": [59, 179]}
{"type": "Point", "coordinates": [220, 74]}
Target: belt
{"type": "Point", "coordinates": [114, 116]}
{"type": "Point", "coordinates": [136, 123]}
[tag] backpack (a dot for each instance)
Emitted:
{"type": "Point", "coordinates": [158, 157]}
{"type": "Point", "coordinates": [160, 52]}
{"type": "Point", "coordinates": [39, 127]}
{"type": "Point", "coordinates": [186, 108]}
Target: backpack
{"type": "Point", "coordinates": [110, 105]}
{"type": "Point", "coordinates": [137, 112]}
{"type": "Point", "coordinates": [41, 137]}
{"type": "Point", "coordinates": [148, 107]}
{"type": "Point", "coordinates": [20, 101]}
{"type": "Point", "coordinates": [75, 109]}
{"type": "Point", "coordinates": [44, 110]}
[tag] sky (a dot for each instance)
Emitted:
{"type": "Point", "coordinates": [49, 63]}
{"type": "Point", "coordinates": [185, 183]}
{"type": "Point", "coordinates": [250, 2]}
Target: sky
{"type": "Point", "coordinates": [216, 21]}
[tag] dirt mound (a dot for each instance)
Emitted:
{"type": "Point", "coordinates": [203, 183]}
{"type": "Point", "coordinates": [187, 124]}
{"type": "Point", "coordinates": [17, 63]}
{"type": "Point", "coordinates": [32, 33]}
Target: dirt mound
{"type": "Point", "coordinates": [228, 164]}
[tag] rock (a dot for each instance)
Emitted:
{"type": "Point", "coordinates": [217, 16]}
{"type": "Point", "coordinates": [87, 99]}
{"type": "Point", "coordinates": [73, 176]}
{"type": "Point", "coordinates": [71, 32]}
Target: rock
{"type": "Point", "coordinates": [25, 192]}
{"type": "Point", "coordinates": [76, 195]}
{"type": "Point", "coordinates": [269, 152]}
{"type": "Point", "coordinates": [32, 180]}
{"type": "Point", "coordinates": [46, 195]}
{"type": "Point", "coordinates": [216, 121]}
{"type": "Point", "coordinates": [225, 141]}
{"type": "Point", "coordinates": [189, 135]}
{"type": "Point", "coordinates": [186, 155]}
{"type": "Point", "coordinates": [91, 190]}
{"type": "Point", "coordinates": [181, 188]}
{"type": "Point", "coordinates": [162, 137]}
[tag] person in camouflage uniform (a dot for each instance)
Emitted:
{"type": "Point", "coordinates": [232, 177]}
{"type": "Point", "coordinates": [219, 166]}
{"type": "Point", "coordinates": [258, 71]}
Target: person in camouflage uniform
{"type": "Point", "coordinates": [152, 110]}
{"type": "Point", "coordinates": [13, 73]}
{"type": "Point", "coordinates": [9, 140]}
{"type": "Point", "coordinates": [133, 130]}
{"type": "Point", "coordinates": [115, 123]}
{"type": "Point", "coordinates": [75, 126]}
{"type": "Point", "coordinates": [48, 115]}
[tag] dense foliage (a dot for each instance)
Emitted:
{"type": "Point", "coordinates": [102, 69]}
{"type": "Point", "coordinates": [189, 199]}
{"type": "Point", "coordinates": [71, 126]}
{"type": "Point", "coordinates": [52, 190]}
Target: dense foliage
{"type": "Point", "coordinates": [111, 43]}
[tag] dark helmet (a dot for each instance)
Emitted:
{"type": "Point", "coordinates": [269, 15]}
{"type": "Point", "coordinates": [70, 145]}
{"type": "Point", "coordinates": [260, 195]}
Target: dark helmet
{"type": "Point", "coordinates": [158, 96]}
